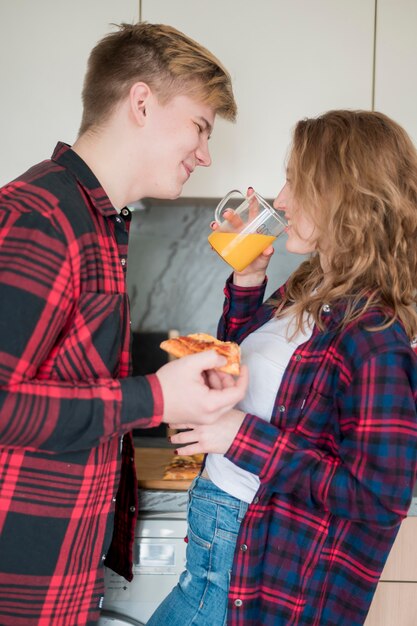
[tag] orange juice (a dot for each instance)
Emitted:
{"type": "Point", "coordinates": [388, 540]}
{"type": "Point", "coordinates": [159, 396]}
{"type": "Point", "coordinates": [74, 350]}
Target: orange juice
{"type": "Point", "coordinates": [239, 250]}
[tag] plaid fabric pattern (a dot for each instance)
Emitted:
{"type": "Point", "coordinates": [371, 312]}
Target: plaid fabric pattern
{"type": "Point", "coordinates": [67, 479]}
{"type": "Point", "coordinates": [337, 466]}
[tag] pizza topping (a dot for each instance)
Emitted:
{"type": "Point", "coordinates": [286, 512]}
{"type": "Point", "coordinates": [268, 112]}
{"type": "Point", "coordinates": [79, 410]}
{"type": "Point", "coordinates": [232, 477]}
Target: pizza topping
{"type": "Point", "coordinates": [200, 342]}
{"type": "Point", "coordinates": [184, 467]}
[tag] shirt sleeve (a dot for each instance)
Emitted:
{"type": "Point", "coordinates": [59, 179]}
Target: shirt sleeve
{"type": "Point", "coordinates": [36, 295]}
{"type": "Point", "coordinates": [371, 476]}
{"type": "Point", "coordinates": [240, 305]}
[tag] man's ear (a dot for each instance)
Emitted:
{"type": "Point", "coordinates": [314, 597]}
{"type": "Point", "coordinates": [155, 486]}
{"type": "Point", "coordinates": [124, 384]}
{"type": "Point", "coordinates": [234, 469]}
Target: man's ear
{"type": "Point", "coordinates": [139, 96]}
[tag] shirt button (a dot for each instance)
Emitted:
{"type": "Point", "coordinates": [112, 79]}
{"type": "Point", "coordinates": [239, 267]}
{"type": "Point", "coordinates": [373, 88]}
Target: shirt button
{"type": "Point", "coordinates": [103, 558]}
{"type": "Point", "coordinates": [238, 602]}
{"type": "Point", "coordinates": [125, 212]}
{"type": "Point", "coordinates": [132, 509]}
{"type": "Point", "coordinates": [118, 219]}
{"type": "Point", "coordinates": [243, 547]}
{"type": "Point", "coordinates": [281, 408]}
{"type": "Point", "coordinates": [113, 499]}
{"type": "Point", "coordinates": [256, 500]}
{"type": "Point", "coordinates": [123, 262]}
{"type": "Point", "coordinates": [298, 357]}
{"type": "Point", "coordinates": [326, 308]}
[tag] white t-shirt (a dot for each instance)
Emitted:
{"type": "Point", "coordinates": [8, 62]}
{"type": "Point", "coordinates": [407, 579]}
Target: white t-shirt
{"type": "Point", "coordinates": [266, 352]}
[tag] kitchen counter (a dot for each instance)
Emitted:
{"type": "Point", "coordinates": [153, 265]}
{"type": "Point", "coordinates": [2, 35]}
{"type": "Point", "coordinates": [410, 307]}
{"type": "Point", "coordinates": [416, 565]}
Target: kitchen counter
{"type": "Point", "coordinates": [150, 468]}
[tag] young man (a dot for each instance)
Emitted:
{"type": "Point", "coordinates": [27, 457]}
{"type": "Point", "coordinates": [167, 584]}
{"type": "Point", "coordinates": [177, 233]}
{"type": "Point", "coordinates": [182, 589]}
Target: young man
{"type": "Point", "coordinates": [67, 402]}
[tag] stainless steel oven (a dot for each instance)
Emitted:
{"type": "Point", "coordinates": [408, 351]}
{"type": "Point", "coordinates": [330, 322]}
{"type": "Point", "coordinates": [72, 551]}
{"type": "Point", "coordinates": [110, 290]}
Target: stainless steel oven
{"type": "Point", "coordinates": [159, 558]}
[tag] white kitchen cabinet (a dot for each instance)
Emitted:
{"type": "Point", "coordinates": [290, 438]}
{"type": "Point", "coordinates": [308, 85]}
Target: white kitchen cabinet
{"type": "Point", "coordinates": [288, 59]}
{"type": "Point", "coordinates": [395, 600]}
{"type": "Point", "coordinates": [44, 48]}
{"type": "Point", "coordinates": [396, 60]}
{"type": "Point", "coordinates": [395, 604]}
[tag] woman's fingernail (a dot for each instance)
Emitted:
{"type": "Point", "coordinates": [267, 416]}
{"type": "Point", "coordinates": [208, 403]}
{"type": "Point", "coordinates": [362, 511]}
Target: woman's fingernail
{"type": "Point", "coordinates": [175, 451]}
{"type": "Point", "coordinates": [250, 188]}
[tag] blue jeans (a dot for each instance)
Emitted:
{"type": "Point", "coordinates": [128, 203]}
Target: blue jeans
{"type": "Point", "coordinates": [200, 597]}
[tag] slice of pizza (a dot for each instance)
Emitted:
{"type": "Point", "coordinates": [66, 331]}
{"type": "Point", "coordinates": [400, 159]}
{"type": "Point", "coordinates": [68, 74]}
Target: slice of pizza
{"type": "Point", "coordinates": [185, 467]}
{"type": "Point", "coordinates": [199, 342]}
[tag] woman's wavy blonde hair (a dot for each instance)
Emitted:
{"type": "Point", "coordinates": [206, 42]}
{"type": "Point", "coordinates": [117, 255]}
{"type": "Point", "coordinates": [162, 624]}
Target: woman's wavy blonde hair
{"type": "Point", "coordinates": [355, 174]}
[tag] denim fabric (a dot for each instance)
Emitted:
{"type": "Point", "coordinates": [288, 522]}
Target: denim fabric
{"type": "Point", "coordinates": [200, 597]}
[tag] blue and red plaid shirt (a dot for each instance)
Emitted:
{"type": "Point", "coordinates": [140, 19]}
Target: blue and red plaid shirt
{"type": "Point", "coordinates": [337, 466]}
{"type": "Point", "coordinates": [66, 482]}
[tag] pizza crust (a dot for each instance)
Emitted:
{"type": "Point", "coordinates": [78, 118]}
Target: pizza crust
{"type": "Point", "coordinates": [200, 342]}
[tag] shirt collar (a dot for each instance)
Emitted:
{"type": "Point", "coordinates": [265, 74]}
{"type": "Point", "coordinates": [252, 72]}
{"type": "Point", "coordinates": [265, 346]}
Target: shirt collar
{"type": "Point", "coordinates": [63, 155]}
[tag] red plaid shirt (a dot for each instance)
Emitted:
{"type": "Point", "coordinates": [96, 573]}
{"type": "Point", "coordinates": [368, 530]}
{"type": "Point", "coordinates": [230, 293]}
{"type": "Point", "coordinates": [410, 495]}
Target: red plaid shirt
{"type": "Point", "coordinates": [65, 395]}
{"type": "Point", "coordinates": [337, 466]}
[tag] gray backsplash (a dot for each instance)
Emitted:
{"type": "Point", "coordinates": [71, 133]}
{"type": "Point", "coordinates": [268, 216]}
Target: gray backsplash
{"type": "Point", "coordinates": [175, 279]}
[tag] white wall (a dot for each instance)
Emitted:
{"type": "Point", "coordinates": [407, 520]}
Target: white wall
{"type": "Point", "coordinates": [396, 62]}
{"type": "Point", "coordinates": [40, 103]}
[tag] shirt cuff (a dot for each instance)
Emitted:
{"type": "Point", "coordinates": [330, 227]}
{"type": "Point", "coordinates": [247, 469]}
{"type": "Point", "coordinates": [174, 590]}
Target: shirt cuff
{"type": "Point", "coordinates": [242, 302]}
{"type": "Point", "coordinates": [142, 403]}
{"type": "Point", "coordinates": [253, 444]}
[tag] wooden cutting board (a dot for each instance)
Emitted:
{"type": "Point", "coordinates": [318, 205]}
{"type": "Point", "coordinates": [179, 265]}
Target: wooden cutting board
{"type": "Point", "coordinates": [150, 467]}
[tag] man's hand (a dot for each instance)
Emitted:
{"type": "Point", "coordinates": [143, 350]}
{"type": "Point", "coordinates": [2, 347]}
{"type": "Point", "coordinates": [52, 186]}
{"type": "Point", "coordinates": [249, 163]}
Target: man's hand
{"type": "Point", "coordinates": [216, 437]}
{"type": "Point", "coordinates": [190, 393]}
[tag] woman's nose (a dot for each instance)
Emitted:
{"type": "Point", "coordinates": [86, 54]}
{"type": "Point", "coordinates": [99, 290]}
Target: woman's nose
{"type": "Point", "coordinates": [279, 202]}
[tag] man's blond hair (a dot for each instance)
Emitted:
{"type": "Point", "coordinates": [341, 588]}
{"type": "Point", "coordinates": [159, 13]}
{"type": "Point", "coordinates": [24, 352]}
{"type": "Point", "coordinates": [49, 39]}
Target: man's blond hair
{"type": "Point", "coordinates": [162, 57]}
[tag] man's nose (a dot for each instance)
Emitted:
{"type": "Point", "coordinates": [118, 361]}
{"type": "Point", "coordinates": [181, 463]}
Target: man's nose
{"type": "Point", "coordinates": [203, 155]}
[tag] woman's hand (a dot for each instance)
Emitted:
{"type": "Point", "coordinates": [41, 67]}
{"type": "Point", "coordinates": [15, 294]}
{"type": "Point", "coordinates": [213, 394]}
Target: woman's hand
{"type": "Point", "coordinates": [215, 379]}
{"type": "Point", "coordinates": [254, 274]}
{"type": "Point", "coordinates": [216, 437]}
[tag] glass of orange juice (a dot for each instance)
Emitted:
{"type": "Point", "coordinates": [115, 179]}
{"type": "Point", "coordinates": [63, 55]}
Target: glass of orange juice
{"type": "Point", "coordinates": [247, 225]}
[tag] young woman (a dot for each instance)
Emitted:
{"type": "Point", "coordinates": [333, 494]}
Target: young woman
{"type": "Point", "coordinates": [309, 477]}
